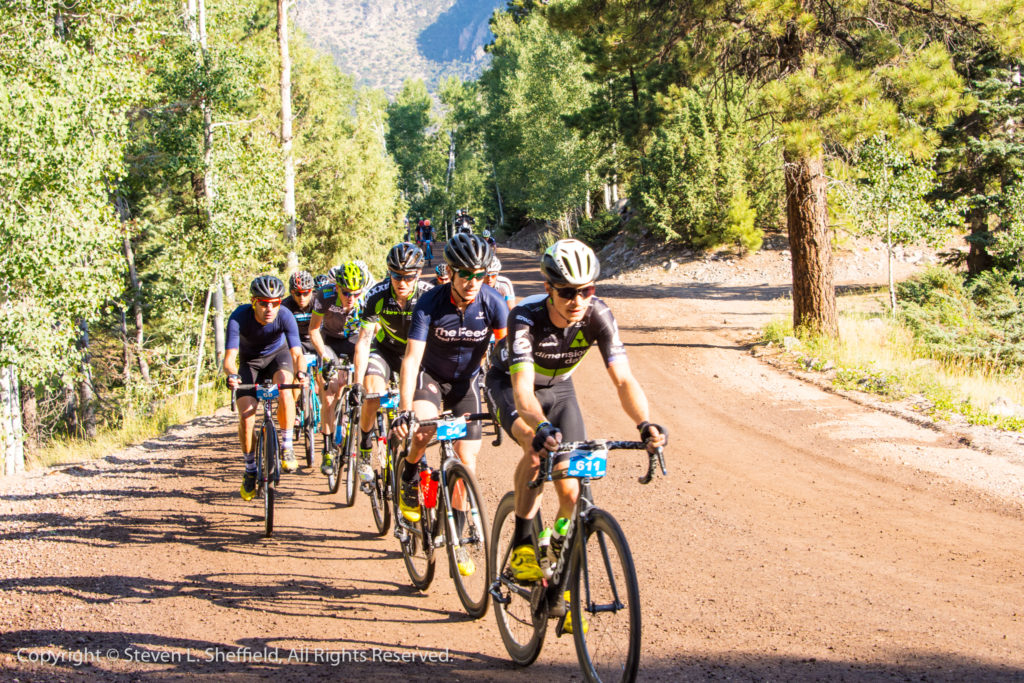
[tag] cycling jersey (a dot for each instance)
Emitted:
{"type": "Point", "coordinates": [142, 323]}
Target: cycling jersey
{"type": "Point", "coordinates": [252, 339]}
{"type": "Point", "coordinates": [456, 340]}
{"type": "Point", "coordinates": [504, 287]}
{"type": "Point", "coordinates": [301, 317]}
{"type": "Point", "coordinates": [382, 307]}
{"type": "Point", "coordinates": [553, 351]}
{"type": "Point", "coordinates": [337, 322]}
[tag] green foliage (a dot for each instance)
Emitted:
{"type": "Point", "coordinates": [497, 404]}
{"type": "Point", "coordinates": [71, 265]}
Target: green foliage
{"type": "Point", "coordinates": [980, 323]}
{"type": "Point", "coordinates": [1007, 246]}
{"type": "Point", "coordinates": [703, 165]}
{"type": "Point", "coordinates": [599, 230]}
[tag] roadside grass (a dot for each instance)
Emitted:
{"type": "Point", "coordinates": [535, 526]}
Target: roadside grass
{"type": "Point", "coordinates": [135, 428]}
{"type": "Point", "coordinates": [879, 354]}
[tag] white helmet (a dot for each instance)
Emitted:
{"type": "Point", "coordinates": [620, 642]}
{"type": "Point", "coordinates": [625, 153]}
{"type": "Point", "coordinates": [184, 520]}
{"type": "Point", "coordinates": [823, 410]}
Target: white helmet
{"type": "Point", "coordinates": [494, 266]}
{"type": "Point", "coordinates": [570, 262]}
{"type": "Point", "coordinates": [487, 233]}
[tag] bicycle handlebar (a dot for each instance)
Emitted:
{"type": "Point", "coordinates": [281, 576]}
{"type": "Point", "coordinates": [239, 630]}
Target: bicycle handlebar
{"type": "Point", "coordinates": [547, 462]}
{"type": "Point", "coordinates": [246, 387]}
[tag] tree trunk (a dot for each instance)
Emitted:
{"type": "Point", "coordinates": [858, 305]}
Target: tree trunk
{"type": "Point", "coordinates": [85, 389]}
{"type": "Point", "coordinates": [30, 416]}
{"type": "Point", "coordinates": [126, 348]}
{"type": "Point", "coordinates": [615, 188]}
{"type": "Point", "coordinates": [607, 197]}
{"type": "Point", "coordinates": [133, 276]}
{"type": "Point", "coordinates": [889, 255]}
{"type": "Point", "coordinates": [10, 422]}
{"type": "Point", "coordinates": [229, 291]}
{"type": "Point", "coordinates": [290, 233]}
{"type": "Point", "coordinates": [218, 320]}
{"type": "Point", "coordinates": [497, 191]}
{"type": "Point", "coordinates": [586, 199]}
{"type": "Point", "coordinates": [202, 348]}
{"type": "Point", "coordinates": [814, 293]}
{"type": "Point", "coordinates": [978, 258]}
{"type": "Point", "coordinates": [70, 406]}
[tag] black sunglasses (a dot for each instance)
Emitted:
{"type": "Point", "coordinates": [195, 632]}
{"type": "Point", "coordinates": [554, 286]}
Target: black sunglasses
{"type": "Point", "coordinates": [408, 277]}
{"type": "Point", "coordinates": [570, 293]}
{"type": "Point", "coordinates": [470, 275]}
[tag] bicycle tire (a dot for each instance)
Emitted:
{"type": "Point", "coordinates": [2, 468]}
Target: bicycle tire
{"type": "Point", "coordinates": [268, 453]}
{"type": "Point", "coordinates": [380, 494]}
{"type": "Point", "coordinates": [307, 425]}
{"type": "Point", "coordinates": [521, 631]}
{"type": "Point", "coordinates": [350, 448]}
{"type": "Point", "coordinates": [605, 581]}
{"type": "Point", "coordinates": [473, 589]}
{"type": "Point", "coordinates": [418, 550]}
{"type": "Point", "coordinates": [337, 452]}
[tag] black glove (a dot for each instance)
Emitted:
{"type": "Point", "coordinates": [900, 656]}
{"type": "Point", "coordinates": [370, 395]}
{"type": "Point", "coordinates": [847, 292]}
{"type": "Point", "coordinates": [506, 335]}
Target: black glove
{"type": "Point", "coordinates": [544, 430]}
{"type": "Point", "coordinates": [404, 418]}
{"type": "Point", "coordinates": [646, 433]}
{"type": "Point", "coordinates": [327, 372]}
{"type": "Point", "coordinates": [234, 376]}
{"type": "Point", "coordinates": [355, 395]}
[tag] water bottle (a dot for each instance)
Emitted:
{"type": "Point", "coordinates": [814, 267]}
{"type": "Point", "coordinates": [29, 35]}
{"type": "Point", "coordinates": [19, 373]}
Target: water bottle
{"type": "Point", "coordinates": [543, 547]}
{"type": "Point", "coordinates": [557, 539]}
{"type": "Point", "coordinates": [428, 485]}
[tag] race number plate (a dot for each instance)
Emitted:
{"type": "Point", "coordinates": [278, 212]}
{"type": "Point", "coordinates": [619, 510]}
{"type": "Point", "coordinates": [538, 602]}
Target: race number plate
{"type": "Point", "coordinates": [451, 429]}
{"type": "Point", "coordinates": [389, 401]}
{"type": "Point", "coordinates": [267, 393]}
{"type": "Point", "coordinates": [593, 464]}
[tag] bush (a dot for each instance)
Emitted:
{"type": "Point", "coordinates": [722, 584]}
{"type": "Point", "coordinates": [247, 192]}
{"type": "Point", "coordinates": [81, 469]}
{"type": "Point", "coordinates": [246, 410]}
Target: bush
{"type": "Point", "coordinates": [599, 230]}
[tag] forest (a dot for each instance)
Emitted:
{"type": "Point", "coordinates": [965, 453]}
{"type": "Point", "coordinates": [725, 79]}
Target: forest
{"type": "Point", "coordinates": [147, 149]}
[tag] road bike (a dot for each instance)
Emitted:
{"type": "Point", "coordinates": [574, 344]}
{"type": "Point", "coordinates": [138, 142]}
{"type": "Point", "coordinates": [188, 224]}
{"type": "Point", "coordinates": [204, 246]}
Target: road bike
{"type": "Point", "coordinates": [345, 441]}
{"type": "Point", "coordinates": [308, 409]}
{"type": "Point", "coordinates": [268, 455]}
{"type": "Point", "coordinates": [452, 514]}
{"type": "Point", "coordinates": [592, 582]}
{"type": "Point", "coordinates": [485, 397]}
{"type": "Point", "coordinates": [381, 489]}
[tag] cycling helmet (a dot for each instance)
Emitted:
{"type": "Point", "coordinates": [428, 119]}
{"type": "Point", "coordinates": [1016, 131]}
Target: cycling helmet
{"type": "Point", "coordinates": [494, 266]}
{"type": "Point", "coordinates": [442, 270]}
{"type": "Point", "coordinates": [468, 252]}
{"type": "Point", "coordinates": [426, 223]}
{"type": "Point", "coordinates": [267, 287]}
{"type": "Point", "coordinates": [405, 256]}
{"type": "Point", "coordinates": [300, 279]}
{"type": "Point", "coordinates": [570, 262]}
{"type": "Point", "coordinates": [368, 278]}
{"type": "Point", "coordinates": [350, 276]}
{"type": "Point", "coordinates": [321, 281]}
{"type": "Point", "coordinates": [487, 233]}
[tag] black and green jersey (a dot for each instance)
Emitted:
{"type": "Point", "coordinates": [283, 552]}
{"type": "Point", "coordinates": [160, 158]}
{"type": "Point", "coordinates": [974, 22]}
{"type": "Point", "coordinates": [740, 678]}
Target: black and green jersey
{"type": "Point", "coordinates": [382, 307]}
{"type": "Point", "coordinates": [555, 352]}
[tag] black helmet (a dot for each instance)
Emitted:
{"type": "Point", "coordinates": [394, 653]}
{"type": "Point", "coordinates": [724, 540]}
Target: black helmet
{"type": "Point", "coordinates": [321, 281]}
{"type": "Point", "coordinates": [468, 252]}
{"type": "Point", "coordinates": [405, 256]}
{"type": "Point", "coordinates": [300, 279]}
{"type": "Point", "coordinates": [267, 287]}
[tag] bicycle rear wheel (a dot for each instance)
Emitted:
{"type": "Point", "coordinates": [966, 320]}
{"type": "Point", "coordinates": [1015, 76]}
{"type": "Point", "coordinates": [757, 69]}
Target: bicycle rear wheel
{"type": "Point", "coordinates": [350, 448]}
{"type": "Point", "coordinates": [418, 546]}
{"type": "Point", "coordinates": [521, 632]}
{"type": "Point", "coordinates": [471, 587]}
{"type": "Point", "coordinates": [380, 493]}
{"type": "Point", "coordinates": [605, 598]}
{"type": "Point", "coordinates": [308, 428]}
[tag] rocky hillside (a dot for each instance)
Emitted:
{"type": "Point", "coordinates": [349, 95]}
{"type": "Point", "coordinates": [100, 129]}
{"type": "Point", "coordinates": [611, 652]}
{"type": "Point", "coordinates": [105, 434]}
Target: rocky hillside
{"type": "Point", "coordinates": [383, 42]}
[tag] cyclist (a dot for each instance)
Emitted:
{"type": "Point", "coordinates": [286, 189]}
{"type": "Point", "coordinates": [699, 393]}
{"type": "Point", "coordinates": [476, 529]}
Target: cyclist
{"type": "Point", "coordinates": [368, 279]}
{"type": "Point", "coordinates": [263, 343]}
{"type": "Point", "coordinates": [300, 303]}
{"type": "Point", "coordinates": [490, 240]}
{"type": "Point", "coordinates": [530, 381]}
{"type": "Point", "coordinates": [443, 274]}
{"type": "Point", "coordinates": [321, 281]}
{"type": "Point", "coordinates": [451, 328]}
{"type": "Point", "coordinates": [333, 330]}
{"type": "Point", "coordinates": [385, 322]}
{"type": "Point", "coordinates": [500, 282]}
{"type": "Point", "coordinates": [425, 239]}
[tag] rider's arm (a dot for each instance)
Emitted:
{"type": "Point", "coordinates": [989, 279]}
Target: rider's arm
{"type": "Point", "coordinates": [410, 370]}
{"type": "Point", "coordinates": [230, 361]}
{"type": "Point", "coordinates": [314, 334]}
{"type": "Point", "coordinates": [633, 399]}
{"type": "Point", "coordinates": [362, 354]}
{"type": "Point", "coordinates": [527, 405]}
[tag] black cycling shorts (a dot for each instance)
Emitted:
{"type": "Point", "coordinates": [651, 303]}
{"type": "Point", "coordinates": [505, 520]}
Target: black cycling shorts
{"type": "Point", "coordinates": [260, 368]}
{"type": "Point", "coordinates": [383, 363]}
{"type": "Point", "coordinates": [557, 401]}
{"type": "Point", "coordinates": [459, 397]}
{"type": "Point", "coordinates": [336, 347]}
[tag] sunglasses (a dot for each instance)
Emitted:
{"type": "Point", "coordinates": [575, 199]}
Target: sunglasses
{"type": "Point", "coordinates": [303, 292]}
{"type": "Point", "coordinates": [470, 275]}
{"type": "Point", "coordinates": [351, 295]}
{"type": "Point", "coordinates": [408, 277]}
{"type": "Point", "coordinates": [267, 303]}
{"type": "Point", "coordinates": [570, 293]}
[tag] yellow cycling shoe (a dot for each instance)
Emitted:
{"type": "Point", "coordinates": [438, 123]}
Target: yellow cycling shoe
{"type": "Point", "coordinates": [288, 461]}
{"type": "Point", "coordinates": [524, 564]}
{"type": "Point", "coordinates": [248, 490]}
{"type": "Point", "coordinates": [567, 624]}
{"type": "Point", "coordinates": [464, 562]}
{"type": "Point", "coordinates": [409, 502]}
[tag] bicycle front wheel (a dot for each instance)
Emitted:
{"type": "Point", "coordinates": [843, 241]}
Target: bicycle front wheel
{"type": "Point", "coordinates": [605, 598]}
{"type": "Point", "coordinates": [468, 562]}
{"type": "Point", "coordinates": [350, 448]}
{"type": "Point", "coordinates": [418, 543]}
{"type": "Point", "coordinates": [521, 632]}
{"type": "Point", "coordinates": [268, 455]}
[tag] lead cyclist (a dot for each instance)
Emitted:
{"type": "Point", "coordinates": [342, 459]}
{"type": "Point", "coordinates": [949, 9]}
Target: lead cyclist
{"type": "Point", "coordinates": [530, 382]}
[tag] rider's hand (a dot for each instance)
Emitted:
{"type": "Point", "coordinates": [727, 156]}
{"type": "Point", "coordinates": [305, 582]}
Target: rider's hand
{"type": "Point", "coordinates": [327, 369]}
{"type": "Point", "coordinates": [547, 437]}
{"type": "Point", "coordinates": [301, 378]}
{"type": "Point", "coordinates": [403, 423]}
{"type": "Point", "coordinates": [355, 395]}
{"type": "Point", "coordinates": [234, 380]}
{"type": "Point", "coordinates": [653, 435]}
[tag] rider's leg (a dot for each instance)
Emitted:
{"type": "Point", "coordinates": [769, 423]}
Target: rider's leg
{"type": "Point", "coordinates": [246, 421]}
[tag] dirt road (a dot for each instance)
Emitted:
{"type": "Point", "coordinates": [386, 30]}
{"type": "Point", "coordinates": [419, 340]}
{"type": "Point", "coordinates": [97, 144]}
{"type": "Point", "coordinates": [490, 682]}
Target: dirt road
{"type": "Point", "coordinates": [798, 536]}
